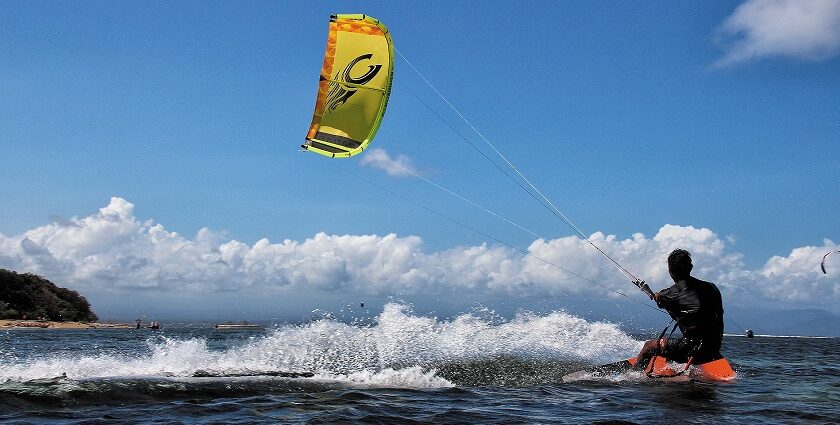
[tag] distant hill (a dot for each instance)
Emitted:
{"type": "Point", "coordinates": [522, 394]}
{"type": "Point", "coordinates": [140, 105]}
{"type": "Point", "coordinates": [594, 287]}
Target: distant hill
{"type": "Point", "coordinates": [33, 297]}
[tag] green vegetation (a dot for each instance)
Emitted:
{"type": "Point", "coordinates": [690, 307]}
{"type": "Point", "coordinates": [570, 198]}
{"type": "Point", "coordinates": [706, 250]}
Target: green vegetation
{"type": "Point", "coordinates": [33, 297]}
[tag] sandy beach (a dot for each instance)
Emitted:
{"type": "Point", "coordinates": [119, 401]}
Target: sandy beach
{"type": "Point", "coordinates": [45, 324]}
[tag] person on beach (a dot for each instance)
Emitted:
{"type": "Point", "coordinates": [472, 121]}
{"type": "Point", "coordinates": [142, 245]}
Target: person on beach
{"type": "Point", "coordinates": [697, 307]}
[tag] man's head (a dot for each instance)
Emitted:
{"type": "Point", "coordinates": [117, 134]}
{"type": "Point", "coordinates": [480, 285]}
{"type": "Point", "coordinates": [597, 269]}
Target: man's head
{"type": "Point", "coordinates": [679, 264]}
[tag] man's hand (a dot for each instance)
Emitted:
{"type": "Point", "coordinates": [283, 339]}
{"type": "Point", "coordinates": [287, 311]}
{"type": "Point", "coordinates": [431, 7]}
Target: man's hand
{"type": "Point", "coordinates": [645, 288]}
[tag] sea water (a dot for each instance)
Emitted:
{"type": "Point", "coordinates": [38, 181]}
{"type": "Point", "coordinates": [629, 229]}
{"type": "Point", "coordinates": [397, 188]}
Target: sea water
{"type": "Point", "coordinates": [398, 367]}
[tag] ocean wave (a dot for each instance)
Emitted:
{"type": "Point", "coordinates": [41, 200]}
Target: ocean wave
{"type": "Point", "coordinates": [399, 349]}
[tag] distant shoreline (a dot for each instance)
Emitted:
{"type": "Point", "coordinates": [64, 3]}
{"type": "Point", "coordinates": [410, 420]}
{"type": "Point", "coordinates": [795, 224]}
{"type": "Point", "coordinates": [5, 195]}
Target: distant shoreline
{"type": "Point", "coordinates": [46, 324]}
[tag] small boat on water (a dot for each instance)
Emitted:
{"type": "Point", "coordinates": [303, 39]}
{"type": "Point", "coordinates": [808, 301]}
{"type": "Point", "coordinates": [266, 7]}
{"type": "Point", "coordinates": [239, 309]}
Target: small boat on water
{"type": "Point", "coordinates": [235, 326]}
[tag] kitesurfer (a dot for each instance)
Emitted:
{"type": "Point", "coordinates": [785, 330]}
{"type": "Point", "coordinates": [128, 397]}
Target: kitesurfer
{"type": "Point", "coordinates": [698, 310]}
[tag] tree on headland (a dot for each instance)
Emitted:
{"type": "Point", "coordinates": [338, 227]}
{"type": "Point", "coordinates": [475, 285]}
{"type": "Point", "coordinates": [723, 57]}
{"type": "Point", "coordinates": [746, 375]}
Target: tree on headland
{"type": "Point", "coordinates": [34, 297]}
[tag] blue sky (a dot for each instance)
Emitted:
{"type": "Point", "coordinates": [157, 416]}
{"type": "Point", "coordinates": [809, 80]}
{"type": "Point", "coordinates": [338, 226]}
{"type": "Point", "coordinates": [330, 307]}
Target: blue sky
{"type": "Point", "coordinates": [718, 117]}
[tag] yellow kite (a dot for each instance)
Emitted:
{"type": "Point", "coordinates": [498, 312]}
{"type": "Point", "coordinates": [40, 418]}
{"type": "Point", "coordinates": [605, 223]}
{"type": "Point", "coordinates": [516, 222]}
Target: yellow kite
{"type": "Point", "coordinates": [354, 86]}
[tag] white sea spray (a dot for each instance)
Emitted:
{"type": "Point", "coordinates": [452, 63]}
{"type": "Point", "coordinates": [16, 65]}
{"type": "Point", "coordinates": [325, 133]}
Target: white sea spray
{"type": "Point", "coordinates": [399, 349]}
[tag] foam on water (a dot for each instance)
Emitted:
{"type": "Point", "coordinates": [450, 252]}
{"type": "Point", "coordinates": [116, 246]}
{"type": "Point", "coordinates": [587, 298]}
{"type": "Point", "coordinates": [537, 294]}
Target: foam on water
{"type": "Point", "coordinates": [399, 350]}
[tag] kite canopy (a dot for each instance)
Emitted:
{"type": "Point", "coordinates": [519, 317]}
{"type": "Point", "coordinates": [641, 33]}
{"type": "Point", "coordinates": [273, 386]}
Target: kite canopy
{"type": "Point", "coordinates": [822, 263]}
{"type": "Point", "coordinates": [354, 86]}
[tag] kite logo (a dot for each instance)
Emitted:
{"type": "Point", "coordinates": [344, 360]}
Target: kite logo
{"type": "Point", "coordinates": [339, 93]}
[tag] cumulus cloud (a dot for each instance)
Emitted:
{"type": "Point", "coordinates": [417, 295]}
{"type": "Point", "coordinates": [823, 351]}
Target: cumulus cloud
{"type": "Point", "coordinates": [112, 249]}
{"type": "Point", "coordinates": [378, 158]}
{"type": "Point", "coordinates": [799, 29]}
{"type": "Point", "coordinates": [794, 274]}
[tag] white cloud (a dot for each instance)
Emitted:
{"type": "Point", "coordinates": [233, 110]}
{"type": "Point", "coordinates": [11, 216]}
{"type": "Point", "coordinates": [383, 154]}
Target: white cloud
{"type": "Point", "coordinates": [799, 29]}
{"type": "Point", "coordinates": [799, 276]}
{"type": "Point", "coordinates": [399, 167]}
{"type": "Point", "coordinates": [112, 249]}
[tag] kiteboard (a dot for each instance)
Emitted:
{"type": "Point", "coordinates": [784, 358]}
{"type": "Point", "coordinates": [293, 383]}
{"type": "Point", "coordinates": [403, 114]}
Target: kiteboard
{"type": "Point", "coordinates": [718, 370]}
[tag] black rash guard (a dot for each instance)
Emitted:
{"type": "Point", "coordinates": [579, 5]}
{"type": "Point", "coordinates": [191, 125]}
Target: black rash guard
{"type": "Point", "coordinates": [697, 307]}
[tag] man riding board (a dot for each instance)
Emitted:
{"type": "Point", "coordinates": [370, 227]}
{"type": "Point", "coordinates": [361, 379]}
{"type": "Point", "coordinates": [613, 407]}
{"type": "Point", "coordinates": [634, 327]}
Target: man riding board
{"type": "Point", "coordinates": [698, 310]}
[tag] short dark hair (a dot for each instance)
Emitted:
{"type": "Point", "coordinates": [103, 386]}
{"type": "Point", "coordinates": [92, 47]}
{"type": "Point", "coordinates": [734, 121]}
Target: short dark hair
{"type": "Point", "coordinates": [679, 263]}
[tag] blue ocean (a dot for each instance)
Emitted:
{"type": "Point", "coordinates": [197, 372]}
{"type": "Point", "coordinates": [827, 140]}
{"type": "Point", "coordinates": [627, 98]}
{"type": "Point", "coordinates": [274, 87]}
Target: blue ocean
{"type": "Point", "coordinates": [398, 367]}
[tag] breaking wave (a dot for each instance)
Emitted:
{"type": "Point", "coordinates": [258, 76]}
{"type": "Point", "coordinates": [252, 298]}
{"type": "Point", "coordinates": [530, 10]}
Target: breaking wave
{"type": "Point", "coordinates": [397, 350]}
